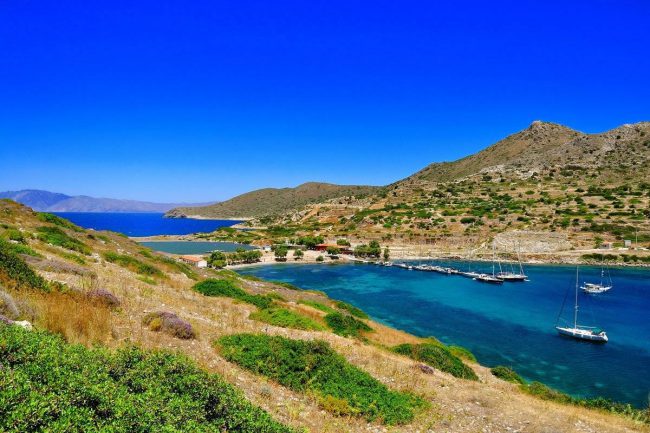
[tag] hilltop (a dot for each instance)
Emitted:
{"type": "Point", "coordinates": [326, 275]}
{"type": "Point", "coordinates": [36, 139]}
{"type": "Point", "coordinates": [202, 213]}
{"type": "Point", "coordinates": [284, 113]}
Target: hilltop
{"type": "Point", "coordinates": [544, 145]}
{"type": "Point", "coordinates": [273, 201]}
{"type": "Point", "coordinates": [241, 349]}
{"type": "Point", "coordinates": [46, 201]}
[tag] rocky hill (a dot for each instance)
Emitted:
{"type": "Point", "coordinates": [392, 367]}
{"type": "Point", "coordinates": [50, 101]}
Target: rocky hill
{"type": "Point", "coordinates": [272, 201]}
{"type": "Point", "coordinates": [623, 152]}
{"type": "Point", "coordinates": [586, 189]}
{"type": "Point", "coordinates": [46, 201]}
{"type": "Point", "coordinates": [210, 350]}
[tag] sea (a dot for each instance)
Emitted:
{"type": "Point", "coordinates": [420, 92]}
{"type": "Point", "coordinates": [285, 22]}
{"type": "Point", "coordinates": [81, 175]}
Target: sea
{"type": "Point", "coordinates": [143, 224]}
{"type": "Point", "coordinates": [510, 324]}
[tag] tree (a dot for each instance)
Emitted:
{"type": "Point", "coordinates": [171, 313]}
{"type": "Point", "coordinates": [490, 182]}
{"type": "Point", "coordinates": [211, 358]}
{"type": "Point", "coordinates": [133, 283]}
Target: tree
{"type": "Point", "coordinates": [386, 254]}
{"type": "Point", "coordinates": [333, 251]}
{"type": "Point", "coordinates": [343, 242]}
{"type": "Point", "coordinates": [281, 252]}
{"type": "Point", "coordinates": [217, 259]}
{"type": "Point", "coordinates": [298, 254]}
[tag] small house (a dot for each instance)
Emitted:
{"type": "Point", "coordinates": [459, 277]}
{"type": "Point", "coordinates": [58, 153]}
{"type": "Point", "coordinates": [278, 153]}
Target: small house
{"type": "Point", "coordinates": [199, 262]}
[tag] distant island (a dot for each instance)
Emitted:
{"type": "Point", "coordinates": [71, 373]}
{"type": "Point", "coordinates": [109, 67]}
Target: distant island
{"type": "Point", "coordinates": [46, 201]}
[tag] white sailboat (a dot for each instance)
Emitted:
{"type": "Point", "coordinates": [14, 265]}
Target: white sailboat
{"type": "Point", "coordinates": [487, 278]}
{"type": "Point", "coordinates": [513, 275]}
{"type": "Point", "coordinates": [580, 332]}
{"type": "Point", "coordinates": [603, 286]}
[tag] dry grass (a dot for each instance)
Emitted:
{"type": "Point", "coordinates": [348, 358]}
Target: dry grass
{"type": "Point", "coordinates": [77, 318]}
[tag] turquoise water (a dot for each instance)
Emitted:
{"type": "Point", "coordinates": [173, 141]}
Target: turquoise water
{"type": "Point", "coordinates": [143, 224]}
{"type": "Point", "coordinates": [193, 247]}
{"type": "Point", "coordinates": [511, 324]}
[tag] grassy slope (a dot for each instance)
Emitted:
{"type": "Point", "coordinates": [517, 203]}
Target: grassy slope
{"type": "Point", "coordinates": [500, 405]}
{"type": "Point", "coordinates": [271, 201]}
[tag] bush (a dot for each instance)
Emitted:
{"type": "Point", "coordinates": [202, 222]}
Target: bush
{"type": "Point", "coordinates": [286, 319]}
{"type": "Point", "coordinates": [169, 323]}
{"type": "Point", "coordinates": [317, 305]}
{"type": "Point", "coordinates": [133, 264]}
{"type": "Point", "coordinates": [312, 366]}
{"type": "Point", "coordinates": [507, 374]}
{"type": "Point", "coordinates": [462, 353]}
{"type": "Point", "coordinates": [320, 259]}
{"type": "Point", "coordinates": [131, 390]}
{"type": "Point", "coordinates": [104, 297]}
{"type": "Point", "coordinates": [345, 325]}
{"type": "Point", "coordinates": [15, 273]}
{"type": "Point", "coordinates": [56, 220]}
{"type": "Point", "coordinates": [437, 356]}
{"type": "Point", "coordinates": [358, 312]}
{"type": "Point", "coordinates": [228, 289]}
{"type": "Point", "coordinates": [56, 236]}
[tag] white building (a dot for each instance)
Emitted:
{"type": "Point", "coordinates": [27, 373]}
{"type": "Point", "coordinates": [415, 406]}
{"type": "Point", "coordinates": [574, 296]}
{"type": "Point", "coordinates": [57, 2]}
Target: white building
{"type": "Point", "coordinates": [199, 262]}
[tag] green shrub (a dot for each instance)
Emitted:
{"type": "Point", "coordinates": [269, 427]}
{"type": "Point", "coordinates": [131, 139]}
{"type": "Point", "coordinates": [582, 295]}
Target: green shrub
{"type": "Point", "coordinates": [15, 273]}
{"type": "Point", "coordinates": [437, 356]}
{"type": "Point", "coordinates": [286, 319]}
{"type": "Point", "coordinates": [358, 312]}
{"type": "Point", "coordinates": [462, 353]}
{"type": "Point", "coordinates": [56, 220]}
{"type": "Point", "coordinates": [286, 285]}
{"type": "Point", "coordinates": [56, 236]}
{"type": "Point", "coordinates": [346, 325]}
{"type": "Point", "coordinates": [13, 234]}
{"type": "Point", "coordinates": [49, 385]}
{"type": "Point", "coordinates": [507, 374]}
{"type": "Point", "coordinates": [133, 264]}
{"type": "Point", "coordinates": [228, 289]}
{"type": "Point", "coordinates": [312, 366]}
{"type": "Point", "coordinates": [317, 305]}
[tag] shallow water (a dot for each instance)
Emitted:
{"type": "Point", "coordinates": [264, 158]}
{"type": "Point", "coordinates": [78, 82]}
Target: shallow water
{"type": "Point", "coordinates": [510, 324]}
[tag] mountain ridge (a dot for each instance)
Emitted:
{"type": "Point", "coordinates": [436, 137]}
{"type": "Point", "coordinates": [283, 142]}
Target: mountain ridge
{"type": "Point", "coordinates": [46, 201]}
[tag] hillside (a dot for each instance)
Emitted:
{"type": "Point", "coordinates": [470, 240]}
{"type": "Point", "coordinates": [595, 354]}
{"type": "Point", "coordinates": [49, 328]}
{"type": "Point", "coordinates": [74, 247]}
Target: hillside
{"type": "Point", "coordinates": [241, 349]}
{"type": "Point", "coordinates": [547, 191]}
{"type": "Point", "coordinates": [45, 201]}
{"type": "Point", "coordinates": [545, 145]}
{"type": "Point", "coordinates": [272, 201]}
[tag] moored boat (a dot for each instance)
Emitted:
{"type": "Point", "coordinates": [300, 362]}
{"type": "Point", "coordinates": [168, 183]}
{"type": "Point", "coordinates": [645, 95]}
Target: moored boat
{"type": "Point", "coordinates": [580, 332]}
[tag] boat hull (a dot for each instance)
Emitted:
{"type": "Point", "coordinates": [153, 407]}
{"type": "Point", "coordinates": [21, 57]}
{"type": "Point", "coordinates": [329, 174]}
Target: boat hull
{"type": "Point", "coordinates": [582, 334]}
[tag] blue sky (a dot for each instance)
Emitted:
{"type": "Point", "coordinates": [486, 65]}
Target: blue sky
{"type": "Point", "coordinates": [203, 100]}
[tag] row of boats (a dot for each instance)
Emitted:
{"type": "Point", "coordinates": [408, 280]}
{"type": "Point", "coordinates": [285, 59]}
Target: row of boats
{"type": "Point", "coordinates": [517, 274]}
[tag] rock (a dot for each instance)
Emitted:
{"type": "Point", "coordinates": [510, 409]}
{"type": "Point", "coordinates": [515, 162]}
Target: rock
{"type": "Point", "coordinates": [24, 324]}
{"type": "Point", "coordinates": [426, 369]}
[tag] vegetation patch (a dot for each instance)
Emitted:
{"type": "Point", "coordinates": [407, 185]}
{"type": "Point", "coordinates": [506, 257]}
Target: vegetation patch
{"type": "Point", "coordinates": [544, 392]}
{"type": "Point", "coordinates": [317, 305]}
{"type": "Point", "coordinates": [312, 366]}
{"type": "Point", "coordinates": [437, 356]}
{"type": "Point", "coordinates": [169, 323]}
{"type": "Point", "coordinates": [507, 374]}
{"type": "Point", "coordinates": [56, 236]}
{"type": "Point", "coordinates": [228, 289]}
{"type": "Point", "coordinates": [462, 353]}
{"type": "Point", "coordinates": [286, 319]}
{"type": "Point", "coordinates": [133, 264]}
{"type": "Point", "coordinates": [358, 312]}
{"type": "Point", "coordinates": [14, 272]}
{"type": "Point", "coordinates": [56, 220]}
{"type": "Point", "coordinates": [346, 325]}
{"type": "Point", "coordinates": [131, 390]}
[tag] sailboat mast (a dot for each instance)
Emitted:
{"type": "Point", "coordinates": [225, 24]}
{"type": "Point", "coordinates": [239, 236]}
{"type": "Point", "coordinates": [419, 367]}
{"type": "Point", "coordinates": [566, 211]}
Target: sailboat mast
{"type": "Point", "coordinates": [575, 311]}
